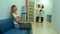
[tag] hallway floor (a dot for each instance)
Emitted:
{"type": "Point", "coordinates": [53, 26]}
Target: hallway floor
{"type": "Point", "coordinates": [43, 28]}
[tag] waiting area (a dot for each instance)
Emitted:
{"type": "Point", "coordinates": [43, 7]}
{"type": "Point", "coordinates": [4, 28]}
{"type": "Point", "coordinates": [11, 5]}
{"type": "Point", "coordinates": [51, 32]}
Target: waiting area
{"type": "Point", "coordinates": [29, 16]}
{"type": "Point", "coordinates": [7, 27]}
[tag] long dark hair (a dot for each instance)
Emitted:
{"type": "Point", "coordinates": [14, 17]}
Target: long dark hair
{"type": "Point", "coordinates": [12, 11]}
{"type": "Point", "coordinates": [12, 8]}
{"type": "Point", "coordinates": [42, 7]}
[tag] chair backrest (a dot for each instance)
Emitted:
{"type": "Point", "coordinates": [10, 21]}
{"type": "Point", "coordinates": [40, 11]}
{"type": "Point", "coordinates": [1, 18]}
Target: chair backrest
{"type": "Point", "coordinates": [6, 25]}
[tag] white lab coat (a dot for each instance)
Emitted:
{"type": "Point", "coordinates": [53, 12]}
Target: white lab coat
{"type": "Point", "coordinates": [42, 13]}
{"type": "Point", "coordinates": [38, 12]}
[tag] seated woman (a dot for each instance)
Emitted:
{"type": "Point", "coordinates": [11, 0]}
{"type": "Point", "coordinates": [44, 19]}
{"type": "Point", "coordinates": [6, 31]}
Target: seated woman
{"type": "Point", "coordinates": [15, 15]}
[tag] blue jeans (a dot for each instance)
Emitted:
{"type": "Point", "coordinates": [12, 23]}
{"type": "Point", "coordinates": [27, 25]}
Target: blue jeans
{"type": "Point", "coordinates": [17, 26]}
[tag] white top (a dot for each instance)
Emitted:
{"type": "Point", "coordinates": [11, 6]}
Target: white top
{"type": "Point", "coordinates": [40, 14]}
{"type": "Point", "coordinates": [15, 15]}
{"type": "Point", "coordinates": [37, 12]}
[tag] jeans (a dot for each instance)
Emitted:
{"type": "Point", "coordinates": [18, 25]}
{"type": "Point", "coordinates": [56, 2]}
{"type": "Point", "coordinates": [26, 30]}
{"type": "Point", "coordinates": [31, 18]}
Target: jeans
{"type": "Point", "coordinates": [17, 26]}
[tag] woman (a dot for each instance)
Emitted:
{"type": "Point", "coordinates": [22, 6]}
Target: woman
{"type": "Point", "coordinates": [16, 17]}
{"type": "Point", "coordinates": [42, 14]}
{"type": "Point", "coordinates": [38, 13]}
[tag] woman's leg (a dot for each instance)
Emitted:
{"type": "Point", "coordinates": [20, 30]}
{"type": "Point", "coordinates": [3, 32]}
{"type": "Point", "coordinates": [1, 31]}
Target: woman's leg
{"type": "Point", "coordinates": [37, 19]}
{"type": "Point", "coordinates": [17, 26]}
{"type": "Point", "coordinates": [42, 19]}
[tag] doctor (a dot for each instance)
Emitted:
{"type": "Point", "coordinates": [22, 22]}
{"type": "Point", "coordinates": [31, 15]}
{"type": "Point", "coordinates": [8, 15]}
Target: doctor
{"type": "Point", "coordinates": [42, 13]}
{"type": "Point", "coordinates": [38, 13]}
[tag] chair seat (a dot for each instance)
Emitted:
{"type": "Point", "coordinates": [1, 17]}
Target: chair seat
{"type": "Point", "coordinates": [15, 31]}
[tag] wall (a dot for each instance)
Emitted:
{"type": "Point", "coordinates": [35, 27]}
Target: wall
{"type": "Point", "coordinates": [5, 7]}
{"type": "Point", "coordinates": [56, 15]}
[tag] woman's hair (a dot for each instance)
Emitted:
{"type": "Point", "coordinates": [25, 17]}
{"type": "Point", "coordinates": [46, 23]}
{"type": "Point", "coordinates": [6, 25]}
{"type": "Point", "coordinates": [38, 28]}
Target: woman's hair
{"type": "Point", "coordinates": [12, 11]}
{"type": "Point", "coordinates": [12, 8]}
{"type": "Point", "coordinates": [42, 6]}
{"type": "Point", "coordinates": [38, 6]}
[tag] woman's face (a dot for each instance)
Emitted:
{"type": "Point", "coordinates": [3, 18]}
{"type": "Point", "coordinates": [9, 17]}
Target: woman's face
{"type": "Point", "coordinates": [15, 9]}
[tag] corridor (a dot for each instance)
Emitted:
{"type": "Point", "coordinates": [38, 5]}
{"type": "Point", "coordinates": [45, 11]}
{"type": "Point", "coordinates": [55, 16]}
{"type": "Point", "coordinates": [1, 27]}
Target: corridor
{"type": "Point", "coordinates": [45, 28]}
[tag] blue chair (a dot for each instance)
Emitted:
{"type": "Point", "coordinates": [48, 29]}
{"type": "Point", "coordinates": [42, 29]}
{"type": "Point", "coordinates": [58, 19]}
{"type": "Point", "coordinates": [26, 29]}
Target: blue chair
{"type": "Point", "coordinates": [7, 27]}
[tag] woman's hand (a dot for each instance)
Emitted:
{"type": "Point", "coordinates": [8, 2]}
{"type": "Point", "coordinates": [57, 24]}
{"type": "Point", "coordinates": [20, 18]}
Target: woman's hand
{"type": "Point", "coordinates": [18, 20]}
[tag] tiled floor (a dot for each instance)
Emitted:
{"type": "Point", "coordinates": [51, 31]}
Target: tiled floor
{"type": "Point", "coordinates": [43, 28]}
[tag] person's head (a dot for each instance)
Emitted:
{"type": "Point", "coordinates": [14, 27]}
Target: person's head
{"type": "Point", "coordinates": [38, 6]}
{"type": "Point", "coordinates": [42, 7]}
{"type": "Point", "coordinates": [13, 8]}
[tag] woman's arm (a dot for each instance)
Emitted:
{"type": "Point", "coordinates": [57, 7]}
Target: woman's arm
{"type": "Point", "coordinates": [18, 20]}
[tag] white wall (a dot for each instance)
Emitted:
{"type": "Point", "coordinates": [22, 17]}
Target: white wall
{"type": "Point", "coordinates": [5, 7]}
{"type": "Point", "coordinates": [31, 0]}
{"type": "Point", "coordinates": [56, 15]}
